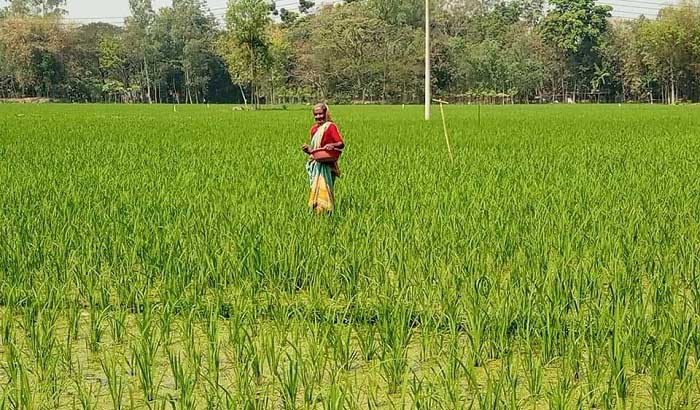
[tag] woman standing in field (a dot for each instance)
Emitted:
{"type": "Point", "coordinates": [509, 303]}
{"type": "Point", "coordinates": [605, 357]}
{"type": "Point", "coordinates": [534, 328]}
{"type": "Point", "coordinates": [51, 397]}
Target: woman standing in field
{"type": "Point", "coordinates": [325, 149]}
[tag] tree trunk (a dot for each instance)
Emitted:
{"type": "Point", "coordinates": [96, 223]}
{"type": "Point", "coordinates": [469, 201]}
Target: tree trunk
{"type": "Point", "coordinates": [188, 92]}
{"type": "Point", "coordinates": [663, 94]}
{"type": "Point", "coordinates": [624, 92]}
{"type": "Point", "coordinates": [252, 77]}
{"type": "Point", "coordinates": [253, 93]}
{"type": "Point", "coordinates": [175, 93]}
{"type": "Point", "coordinates": [563, 90]}
{"type": "Point", "coordinates": [148, 79]}
{"type": "Point", "coordinates": [384, 77]}
{"type": "Point", "coordinates": [245, 100]}
{"type": "Point", "coordinates": [673, 90]}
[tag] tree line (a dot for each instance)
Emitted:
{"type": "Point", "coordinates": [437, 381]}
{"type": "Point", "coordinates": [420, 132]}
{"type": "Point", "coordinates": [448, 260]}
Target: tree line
{"type": "Point", "coordinates": [357, 51]}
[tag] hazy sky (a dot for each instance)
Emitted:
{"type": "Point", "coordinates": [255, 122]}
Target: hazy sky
{"type": "Point", "coordinates": [113, 11]}
{"type": "Point", "coordinates": [107, 10]}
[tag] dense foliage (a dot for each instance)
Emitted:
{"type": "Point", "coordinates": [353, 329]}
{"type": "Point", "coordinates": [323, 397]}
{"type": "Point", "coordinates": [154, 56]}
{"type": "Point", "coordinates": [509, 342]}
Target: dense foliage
{"type": "Point", "coordinates": [360, 50]}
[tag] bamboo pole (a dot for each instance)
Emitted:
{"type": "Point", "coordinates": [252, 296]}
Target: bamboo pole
{"type": "Point", "coordinates": [427, 60]}
{"type": "Point", "coordinates": [444, 127]}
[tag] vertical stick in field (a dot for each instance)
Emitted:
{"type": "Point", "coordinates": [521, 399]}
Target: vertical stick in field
{"type": "Point", "coordinates": [444, 127]}
{"type": "Point", "coordinates": [427, 60]}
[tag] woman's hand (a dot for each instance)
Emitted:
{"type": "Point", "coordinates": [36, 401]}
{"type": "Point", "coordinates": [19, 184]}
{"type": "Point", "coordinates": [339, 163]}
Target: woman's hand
{"type": "Point", "coordinates": [337, 146]}
{"type": "Point", "coordinates": [306, 149]}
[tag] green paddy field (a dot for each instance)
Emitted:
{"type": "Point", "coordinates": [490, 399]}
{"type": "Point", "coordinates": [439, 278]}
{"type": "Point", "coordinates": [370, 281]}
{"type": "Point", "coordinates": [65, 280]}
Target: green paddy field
{"type": "Point", "coordinates": [162, 259]}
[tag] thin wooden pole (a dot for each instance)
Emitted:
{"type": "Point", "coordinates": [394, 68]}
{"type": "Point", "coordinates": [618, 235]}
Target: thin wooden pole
{"type": "Point", "coordinates": [478, 104]}
{"type": "Point", "coordinates": [427, 60]}
{"type": "Point", "coordinates": [444, 128]}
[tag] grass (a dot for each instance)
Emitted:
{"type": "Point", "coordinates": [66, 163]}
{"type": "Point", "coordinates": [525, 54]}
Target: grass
{"type": "Point", "coordinates": [159, 259]}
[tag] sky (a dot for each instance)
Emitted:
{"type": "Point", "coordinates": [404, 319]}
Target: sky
{"type": "Point", "coordinates": [633, 8]}
{"type": "Point", "coordinates": [114, 11]}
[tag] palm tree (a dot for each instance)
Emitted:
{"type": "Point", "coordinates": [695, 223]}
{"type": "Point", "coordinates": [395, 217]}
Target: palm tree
{"type": "Point", "coordinates": [601, 73]}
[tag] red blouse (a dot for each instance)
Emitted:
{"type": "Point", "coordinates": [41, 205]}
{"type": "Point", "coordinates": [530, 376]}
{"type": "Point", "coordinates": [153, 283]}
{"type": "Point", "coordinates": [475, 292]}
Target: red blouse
{"type": "Point", "coordinates": [331, 136]}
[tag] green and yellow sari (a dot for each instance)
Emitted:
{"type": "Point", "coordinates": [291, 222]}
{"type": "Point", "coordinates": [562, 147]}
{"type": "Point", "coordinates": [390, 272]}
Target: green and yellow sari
{"type": "Point", "coordinates": [321, 177]}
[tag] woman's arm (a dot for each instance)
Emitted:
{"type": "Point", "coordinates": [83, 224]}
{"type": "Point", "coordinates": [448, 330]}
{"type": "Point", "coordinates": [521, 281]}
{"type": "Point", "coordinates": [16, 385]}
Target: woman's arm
{"type": "Point", "coordinates": [333, 139]}
{"type": "Point", "coordinates": [335, 146]}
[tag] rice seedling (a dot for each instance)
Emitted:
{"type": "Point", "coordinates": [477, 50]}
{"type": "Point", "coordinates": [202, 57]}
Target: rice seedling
{"type": "Point", "coordinates": [395, 335]}
{"type": "Point", "coordinates": [185, 382]}
{"type": "Point", "coordinates": [336, 398]}
{"type": "Point", "coordinates": [117, 319]}
{"type": "Point", "coordinates": [289, 382]}
{"type": "Point", "coordinates": [74, 311]}
{"type": "Point", "coordinates": [165, 322]}
{"type": "Point", "coordinates": [367, 340]}
{"type": "Point", "coordinates": [7, 327]}
{"type": "Point", "coordinates": [97, 317]}
{"type": "Point", "coordinates": [213, 346]}
{"type": "Point", "coordinates": [87, 395]}
{"type": "Point", "coordinates": [533, 372]}
{"type": "Point", "coordinates": [511, 383]}
{"type": "Point", "coordinates": [311, 371]}
{"type": "Point", "coordinates": [190, 338]}
{"type": "Point", "coordinates": [420, 393]}
{"type": "Point", "coordinates": [18, 389]}
{"type": "Point", "coordinates": [115, 380]}
{"type": "Point", "coordinates": [272, 352]}
{"type": "Point", "coordinates": [341, 346]}
{"type": "Point", "coordinates": [144, 353]}
{"type": "Point", "coordinates": [492, 396]}
{"type": "Point", "coordinates": [561, 395]}
{"type": "Point", "coordinates": [42, 342]}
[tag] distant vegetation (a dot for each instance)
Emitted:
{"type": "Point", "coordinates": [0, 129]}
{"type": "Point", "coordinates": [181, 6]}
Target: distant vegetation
{"type": "Point", "coordinates": [357, 51]}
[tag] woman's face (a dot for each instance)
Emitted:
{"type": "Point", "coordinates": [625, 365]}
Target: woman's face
{"type": "Point", "coordinates": [319, 115]}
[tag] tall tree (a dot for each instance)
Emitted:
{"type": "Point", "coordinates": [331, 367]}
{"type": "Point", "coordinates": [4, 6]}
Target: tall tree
{"type": "Point", "coordinates": [288, 17]}
{"type": "Point", "coordinates": [305, 6]}
{"type": "Point", "coordinates": [114, 63]}
{"type": "Point", "coordinates": [138, 34]}
{"type": "Point", "coordinates": [575, 28]}
{"type": "Point", "coordinates": [245, 46]}
{"type": "Point", "coordinates": [87, 78]}
{"type": "Point", "coordinates": [194, 34]}
{"type": "Point", "coordinates": [36, 7]}
{"type": "Point", "coordinates": [670, 46]}
{"type": "Point", "coordinates": [399, 12]}
{"type": "Point", "coordinates": [34, 54]}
